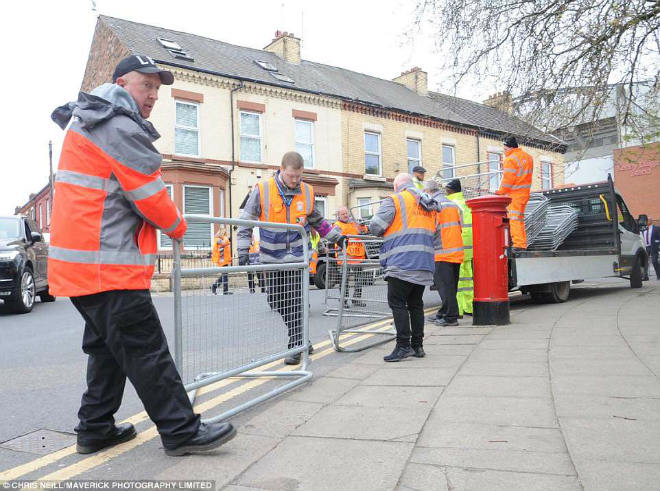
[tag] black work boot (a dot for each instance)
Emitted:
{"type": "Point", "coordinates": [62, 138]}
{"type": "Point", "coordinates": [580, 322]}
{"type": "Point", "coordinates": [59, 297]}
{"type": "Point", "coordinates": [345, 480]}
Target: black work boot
{"type": "Point", "coordinates": [208, 437]}
{"type": "Point", "coordinates": [419, 352]}
{"type": "Point", "coordinates": [399, 353]}
{"type": "Point", "coordinates": [90, 444]}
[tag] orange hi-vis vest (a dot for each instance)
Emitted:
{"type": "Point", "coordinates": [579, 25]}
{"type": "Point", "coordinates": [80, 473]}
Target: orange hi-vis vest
{"type": "Point", "coordinates": [517, 169]}
{"type": "Point", "coordinates": [448, 239]}
{"type": "Point", "coordinates": [109, 199]}
{"type": "Point", "coordinates": [277, 245]}
{"type": "Point", "coordinates": [221, 254]}
{"type": "Point", "coordinates": [408, 241]}
{"type": "Point", "coordinates": [355, 251]}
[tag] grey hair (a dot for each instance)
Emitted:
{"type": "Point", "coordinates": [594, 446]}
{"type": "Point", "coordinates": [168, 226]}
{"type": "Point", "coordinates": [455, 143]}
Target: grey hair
{"type": "Point", "coordinates": [401, 181]}
{"type": "Point", "coordinates": [431, 186]}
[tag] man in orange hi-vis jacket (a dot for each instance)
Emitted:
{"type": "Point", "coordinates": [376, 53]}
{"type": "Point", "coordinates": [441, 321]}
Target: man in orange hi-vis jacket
{"type": "Point", "coordinates": [109, 201]}
{"type": "Point", "coordinates": [221, 255]}
{"type": "Point", "coordinates": [516, 183]}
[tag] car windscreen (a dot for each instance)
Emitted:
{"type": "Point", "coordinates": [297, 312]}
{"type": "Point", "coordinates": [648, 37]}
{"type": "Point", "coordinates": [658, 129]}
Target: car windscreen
{"type": "Point", "coordinates": [9, 228]}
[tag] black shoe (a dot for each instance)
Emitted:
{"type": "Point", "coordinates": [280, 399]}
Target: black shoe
{"type": "Point", "coordinates": [252, 290]}
{"type": "Point", "coordinates": [214, 289]}
{"type": "Point", "coordinates": [419, 352]}
{"type": "Point", "coordinates": [292, 359]}
{"type": "Point", "coordinates": [467, 313]}
{"type": "Point", "coordinates": [446, 323]}
{"type": "Point", "coordinates": [227, 293]}
{"type": "Point", "coordinates": [646, 278]}
{"type": "Point", "coordinates": [399, 353]}
{"type": "Point", "coordinates": [310, 348]}
{"type": "Point", "coordinates": [208, 437]}
{"type": "Point", "coordinates": [121, 434]}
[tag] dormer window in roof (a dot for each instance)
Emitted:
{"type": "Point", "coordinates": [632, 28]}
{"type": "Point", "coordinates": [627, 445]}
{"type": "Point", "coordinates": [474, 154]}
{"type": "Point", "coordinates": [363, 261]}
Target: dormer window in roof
{"type": "Point", "coordinates": [283, 78]}
{"type": "Point", "coordinates": [266, 65]}
{"type": "Point", "coordinates": [175, 49]}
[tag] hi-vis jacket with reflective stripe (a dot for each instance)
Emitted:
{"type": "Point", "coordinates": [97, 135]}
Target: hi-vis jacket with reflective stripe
{"type": "Point", "coordinates": [517, 173]}
{"type": "Point", "coordinates": [354, 248]}
{"type": "Point", "coordinates": [267, 205]}
{"type": "Point", "coordinates": [109, 197]}
{"type": "Point", "coordinates": [466, 215]}
{"type": "Point", "coordinates": [408, 238]}
{"type": "Point", "coordinates": [448, 239]}
{"type": "Point", "coordinates": [221, 251]}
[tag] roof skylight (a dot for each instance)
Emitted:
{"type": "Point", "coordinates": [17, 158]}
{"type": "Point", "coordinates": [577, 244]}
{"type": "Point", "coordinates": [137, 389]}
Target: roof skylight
{"type": "Point", "coordinates": [266, 65]}
{"type": "Point", "coordinates": [283, 78]}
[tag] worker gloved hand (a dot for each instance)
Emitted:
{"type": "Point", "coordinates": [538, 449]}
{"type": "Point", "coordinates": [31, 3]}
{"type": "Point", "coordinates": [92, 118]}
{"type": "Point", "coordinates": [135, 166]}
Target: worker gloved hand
{"type": "Point", "coordinates": [342, 241]}
{"type": "Point", "coordinates": [243, 258]}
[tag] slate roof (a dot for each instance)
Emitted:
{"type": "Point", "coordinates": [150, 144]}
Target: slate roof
{"type": "Point", "coordinates": [217, 57]}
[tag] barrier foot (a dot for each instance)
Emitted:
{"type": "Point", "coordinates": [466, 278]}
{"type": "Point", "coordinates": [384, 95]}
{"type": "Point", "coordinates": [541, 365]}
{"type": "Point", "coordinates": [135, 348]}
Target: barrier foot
{"type": "Point", "coordinates": [334, 339]}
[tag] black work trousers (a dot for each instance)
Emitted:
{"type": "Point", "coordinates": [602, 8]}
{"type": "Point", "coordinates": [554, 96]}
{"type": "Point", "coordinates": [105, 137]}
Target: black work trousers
{"type": "Point", "coordinates": [358, 276]}
{"type": "Point", "coordinates": [124, 338]}
{"type": "Point", "coordinates": [284, 291]}
{"type": "Point", "coordinates": [405, 300]}
{"type": "Point", "coordinates": [446, 281]}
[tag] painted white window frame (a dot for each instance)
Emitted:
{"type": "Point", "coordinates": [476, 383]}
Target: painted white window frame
{"type": "Point", "coordinates": [160, 232]}
{"type": "Point", "coordinates": [546, 164]}
{"type": "Point", "coordinates": [311, 144]}
{"type": "Point", "coordinates": [210, 214]}
{"type": "Point", "coordinates": [189, 128]}
{"type": "Point", "coordinates": [324, 200]}
{"type": "Point", "coordinates": [361, 207]}
{"type": "Point", "coordinates": [418, 160]}
{"type": "Point", "coordinates": [48, 211]}
{"type": "Point", "coordinates": [494, 179]}
{"type": "Point", "coordinates": [453, 163]}
{"type": "Point", "coordinates": [257, 137]}
{"type": "Point", "coordinates": [379, 153]}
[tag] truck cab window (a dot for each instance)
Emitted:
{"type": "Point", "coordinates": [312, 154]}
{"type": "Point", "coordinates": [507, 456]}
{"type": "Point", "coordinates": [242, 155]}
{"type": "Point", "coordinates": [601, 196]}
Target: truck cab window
{"type": "Point", "coordinates": [624, 217]}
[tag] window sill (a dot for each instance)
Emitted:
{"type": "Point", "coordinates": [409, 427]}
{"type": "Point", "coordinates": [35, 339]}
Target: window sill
{"type": "Point", "coordinates": [371, 177]}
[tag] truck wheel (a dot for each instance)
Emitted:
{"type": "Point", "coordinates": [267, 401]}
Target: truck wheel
{"type": "Point", "coordinates": [24, 300]}
{"type": "Point", "coordinates": [551, 293]}
{"type": "Point", "coordinates": [319, 277]}
{"type": "Point", "coordinates": [636, 274]}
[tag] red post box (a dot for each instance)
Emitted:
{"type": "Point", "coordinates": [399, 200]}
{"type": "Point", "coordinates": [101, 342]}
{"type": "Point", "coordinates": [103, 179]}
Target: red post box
{"type": "Point", "coordinates": [490, 235]}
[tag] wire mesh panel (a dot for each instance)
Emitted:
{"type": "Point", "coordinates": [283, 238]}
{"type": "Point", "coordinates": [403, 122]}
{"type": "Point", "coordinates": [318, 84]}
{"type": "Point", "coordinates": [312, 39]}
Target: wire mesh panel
{"type": "Point", "coordinates": [231, 320]}
{"type": "Point", "coordinates": [359, 296]}
{"type": "Point", "coordinates": [477, 179]}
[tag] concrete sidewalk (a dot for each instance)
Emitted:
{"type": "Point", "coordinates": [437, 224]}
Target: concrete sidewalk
{"type": "Point", "coordinates": [567, 397]}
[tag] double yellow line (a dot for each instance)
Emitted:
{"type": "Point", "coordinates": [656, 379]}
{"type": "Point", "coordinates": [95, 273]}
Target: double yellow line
{"type": "Point", "coordinates": [99, 458]}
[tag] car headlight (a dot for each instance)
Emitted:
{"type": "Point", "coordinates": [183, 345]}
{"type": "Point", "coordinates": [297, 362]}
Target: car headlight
{"type": "Point", "coordinates": [8, 255]}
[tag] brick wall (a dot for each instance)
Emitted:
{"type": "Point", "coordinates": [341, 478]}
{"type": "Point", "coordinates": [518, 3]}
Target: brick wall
{"type": "Point", "coordinates": [104, 54]}
{"type": "Point", "coordinates": [637, 178]}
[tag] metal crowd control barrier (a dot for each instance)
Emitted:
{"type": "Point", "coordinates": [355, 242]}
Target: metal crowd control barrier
{"type": "Point", "coordinates": [369, 300]}
{"type": "Point", "coordinates": [225, 328]}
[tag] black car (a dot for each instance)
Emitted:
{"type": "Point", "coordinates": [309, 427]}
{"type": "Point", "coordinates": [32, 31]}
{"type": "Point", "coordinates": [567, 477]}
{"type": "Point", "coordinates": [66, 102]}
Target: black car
{"type": "Point", "coordinates": [23, 264]}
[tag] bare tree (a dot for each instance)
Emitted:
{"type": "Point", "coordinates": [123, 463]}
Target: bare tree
{"type": "Point", "coordinates": [565, 54]}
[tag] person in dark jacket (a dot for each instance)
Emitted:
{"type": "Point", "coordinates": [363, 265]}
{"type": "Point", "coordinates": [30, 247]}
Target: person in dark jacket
{"type": "Point", "coordinates": [109, 200]}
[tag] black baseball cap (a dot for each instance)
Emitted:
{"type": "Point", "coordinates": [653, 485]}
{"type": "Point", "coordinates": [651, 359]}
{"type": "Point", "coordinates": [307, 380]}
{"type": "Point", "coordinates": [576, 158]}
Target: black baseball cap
{"type": "Point", "coordinates": [419, 168]}
{"type": "Point", "coordinates": [454, 184]}
{"type": "Point", "coordinates": [511, 142]}
{"type": "Point", "coordinates": [142, 64]}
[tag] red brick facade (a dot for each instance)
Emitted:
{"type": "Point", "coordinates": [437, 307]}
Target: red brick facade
{"type": "Point", "coordinates": [637, 177]}
{"type": "Point", "coordinates": [104, 54]}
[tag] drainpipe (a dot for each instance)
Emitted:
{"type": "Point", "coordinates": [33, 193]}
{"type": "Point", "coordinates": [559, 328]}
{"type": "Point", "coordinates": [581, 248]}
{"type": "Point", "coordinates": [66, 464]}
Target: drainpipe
{"type": "Point", "coordinates": [479, 160]}
{"type": "Point", "coordinates": [233, 160]}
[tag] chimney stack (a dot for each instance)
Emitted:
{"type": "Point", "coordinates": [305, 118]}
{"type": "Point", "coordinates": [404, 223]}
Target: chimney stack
{"type": "Point", "coordinates": [286, 46]}
{"type": "Point", "coordinates": [502, 101]}
{"type": "Point", "coordinates": [415, 79]}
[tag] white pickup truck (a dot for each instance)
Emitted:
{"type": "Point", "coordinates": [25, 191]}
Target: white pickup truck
{"type": "Point", "coordinates": [607, 242]}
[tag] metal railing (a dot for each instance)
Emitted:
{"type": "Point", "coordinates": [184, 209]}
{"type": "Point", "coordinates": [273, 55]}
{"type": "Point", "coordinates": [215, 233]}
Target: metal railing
{"type": "Point", "coordinates": [368, 302]}
{"type": "Point", "coordinates": [221, 333]}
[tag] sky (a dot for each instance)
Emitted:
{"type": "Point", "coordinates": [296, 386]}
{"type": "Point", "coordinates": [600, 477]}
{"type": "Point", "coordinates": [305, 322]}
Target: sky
{"type": "Point", "coordinates": [46, 44]}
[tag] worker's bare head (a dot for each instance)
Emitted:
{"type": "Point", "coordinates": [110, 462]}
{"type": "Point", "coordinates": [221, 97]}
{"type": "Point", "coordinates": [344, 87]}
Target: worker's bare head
{"type": "Point", "coordinates": [342, 214]}
{"type": "Point", "coordinates": [291, 169]}
{"type": "Point", "coordinates": [402, 181]}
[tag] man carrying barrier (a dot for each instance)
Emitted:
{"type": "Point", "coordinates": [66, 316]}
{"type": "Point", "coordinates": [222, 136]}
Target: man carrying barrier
{"type": "Point", "coordinates": [406, 221]}
{"type": "Point", "coordinates": [355, 254]}
{"type": "Point", "coordinates": [465, 291]}
{"type": "Point", "coordinates": [109, 199]}
{"type": "Point", "coordinates": [448, 245]}
{"type": "Point", "coordinates": [284, 198]}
